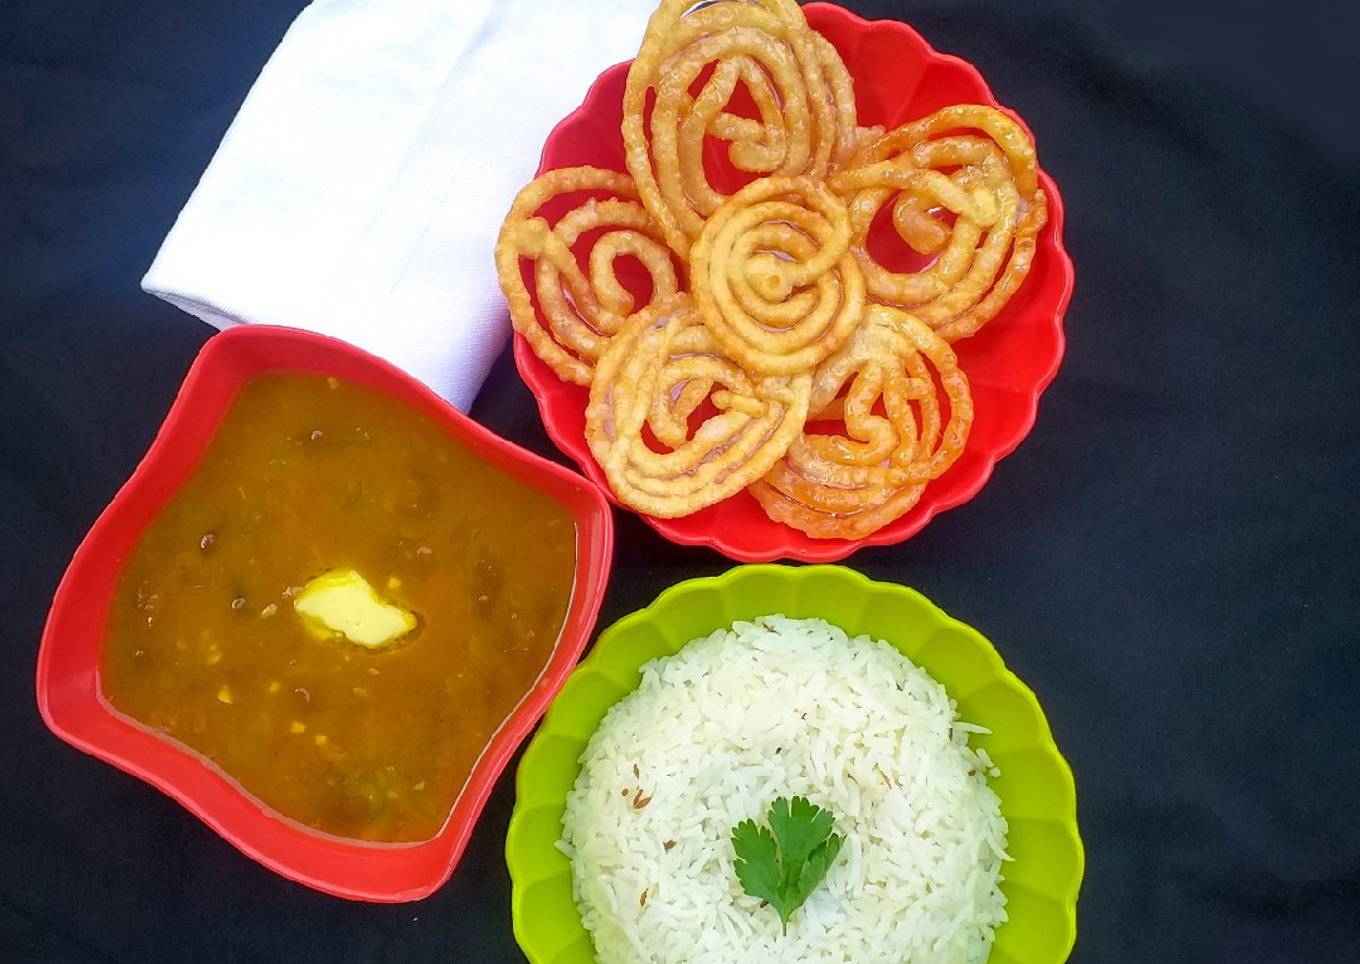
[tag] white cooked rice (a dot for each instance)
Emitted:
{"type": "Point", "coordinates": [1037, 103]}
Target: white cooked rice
{"type": "Point", "coordinates": [784, 707]}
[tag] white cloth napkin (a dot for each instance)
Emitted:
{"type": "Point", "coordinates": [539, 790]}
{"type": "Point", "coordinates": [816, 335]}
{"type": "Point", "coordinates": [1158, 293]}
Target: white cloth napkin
{"type": "Point", "coordinates": [360, 189]}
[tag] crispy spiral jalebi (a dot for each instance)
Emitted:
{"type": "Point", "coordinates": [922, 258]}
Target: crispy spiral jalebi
{"type": "Point", "coordinates": [766, 304]}
{"type": "Point", "coordinates": [582, 311]}
{"type": "Point", "coordinates": [661, 367]}
{"type": "Point", "coordinates": [773, 276]}
{"type": "Point", "coordinates": [801, 89]}
{"type": "Point", "coordinates": [849, 484]}
{"type": "Point", "coordinates": [991, 192]}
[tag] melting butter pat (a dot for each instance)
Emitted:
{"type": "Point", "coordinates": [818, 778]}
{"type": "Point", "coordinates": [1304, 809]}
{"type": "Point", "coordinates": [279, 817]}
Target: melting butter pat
{"type": "Point", "coordinates": [341, 602]}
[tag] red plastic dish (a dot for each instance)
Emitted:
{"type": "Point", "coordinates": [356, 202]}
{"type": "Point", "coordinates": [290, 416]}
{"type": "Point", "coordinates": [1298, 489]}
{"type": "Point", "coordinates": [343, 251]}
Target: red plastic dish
{"type": "Point", "coordinates": [898, 77]}
{"type": "Point", "coordinates": [68, 685]}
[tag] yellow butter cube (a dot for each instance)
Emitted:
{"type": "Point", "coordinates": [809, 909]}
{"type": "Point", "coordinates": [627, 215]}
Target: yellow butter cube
{"type": "Point", "coordinates": [343, 603]}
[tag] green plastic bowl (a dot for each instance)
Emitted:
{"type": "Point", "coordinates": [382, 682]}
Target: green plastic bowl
{"type": "Point", "coordinates": [1037, 795]}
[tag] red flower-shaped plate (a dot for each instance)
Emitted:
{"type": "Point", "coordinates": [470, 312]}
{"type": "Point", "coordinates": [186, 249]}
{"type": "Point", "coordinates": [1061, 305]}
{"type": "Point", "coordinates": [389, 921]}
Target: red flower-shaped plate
{"type": "Point", "coordinates": [898, 77]}
{"type": "Point", "coordinates": [68, 684]}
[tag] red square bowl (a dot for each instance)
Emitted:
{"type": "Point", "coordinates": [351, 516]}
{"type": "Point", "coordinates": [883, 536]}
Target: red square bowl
{"type": "Point", "coordinates": [68, 684]}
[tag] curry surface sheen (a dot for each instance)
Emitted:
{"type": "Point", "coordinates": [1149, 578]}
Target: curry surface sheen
{"type": "Point", "coordinates": [306, 475]}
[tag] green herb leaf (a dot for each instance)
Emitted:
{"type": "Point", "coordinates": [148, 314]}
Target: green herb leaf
{"type": "Point", "coordinates": [757, 863]}
{"type": "Point", "coordinates": [799, 826]}
{"type": "Point", "coordinates": [818, 863]}
{"type": "Point", "coordinates": [785, 863]}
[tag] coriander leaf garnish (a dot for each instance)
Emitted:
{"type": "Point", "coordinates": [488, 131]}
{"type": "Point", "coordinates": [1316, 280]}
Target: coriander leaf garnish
{"type": "Point", "coordinates": [757, 863]}
{"type": "Point", "coordinates": [784, 863]}
{"type": "Point", "coordinates": [799, 826]}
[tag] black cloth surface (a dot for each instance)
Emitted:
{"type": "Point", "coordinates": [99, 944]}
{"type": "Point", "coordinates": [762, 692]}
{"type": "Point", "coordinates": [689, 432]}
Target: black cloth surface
{"type": "Point", "coordinates": [1169, 560]}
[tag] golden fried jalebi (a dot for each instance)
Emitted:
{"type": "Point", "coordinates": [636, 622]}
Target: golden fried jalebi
{"type": "Point", "coordinates": [802, 94]}
{"type": "Point", "coordinates": [582, 310]}
{"type": "Point", "coordinates": [660, 368]}
{"type": "Point", "coordinates": [873, 470]}
{"type": "Point", "coordinates": [775, 352]}
{"type": "Point", "coordinates": [991, 192]}
{"type": "Point", "coordinates": [773, 276]}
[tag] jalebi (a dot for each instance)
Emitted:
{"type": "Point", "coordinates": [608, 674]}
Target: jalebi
{"type": "Point", "coordinates": [658, 372]}
{"type": "Point", "coordinates": [582, 309]}
{"type": "Point", "coordinates": [892, 437]}
{"type": "Point", "coordinates": [773, 276]}
{"type": "Point", "coordinates": [802, 93]}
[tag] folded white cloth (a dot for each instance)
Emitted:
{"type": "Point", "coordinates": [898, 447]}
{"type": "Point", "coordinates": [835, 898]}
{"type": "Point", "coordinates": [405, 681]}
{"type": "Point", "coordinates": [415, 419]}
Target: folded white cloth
{"type": "Point", "coordinates": [360, 189]}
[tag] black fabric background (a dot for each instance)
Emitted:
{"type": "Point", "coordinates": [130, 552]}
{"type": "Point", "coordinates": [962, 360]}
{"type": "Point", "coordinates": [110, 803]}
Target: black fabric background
{"type": "Point", "coordinates": [1170, 559]}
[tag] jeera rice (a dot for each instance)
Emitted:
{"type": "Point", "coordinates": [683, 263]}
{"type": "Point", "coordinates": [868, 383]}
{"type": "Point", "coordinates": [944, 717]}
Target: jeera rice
{"type": "Point", "coordinates": [775, 708]}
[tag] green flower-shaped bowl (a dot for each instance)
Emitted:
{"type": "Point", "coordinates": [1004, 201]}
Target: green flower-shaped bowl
{"type": "Point", "coordinates": [1037, 794]}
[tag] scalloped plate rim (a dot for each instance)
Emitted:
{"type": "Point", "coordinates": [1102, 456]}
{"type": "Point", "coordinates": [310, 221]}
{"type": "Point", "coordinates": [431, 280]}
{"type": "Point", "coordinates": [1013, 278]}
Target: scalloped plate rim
{"type": "Point", "coordinates": [1065, 818]}
{"type": "Point", "coordinates": [831, 550]}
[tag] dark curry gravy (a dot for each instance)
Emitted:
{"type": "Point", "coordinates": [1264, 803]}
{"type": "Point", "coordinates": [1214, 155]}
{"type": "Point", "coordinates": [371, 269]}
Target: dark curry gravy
{"type": "Point", "coordinates": [306, 475]}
